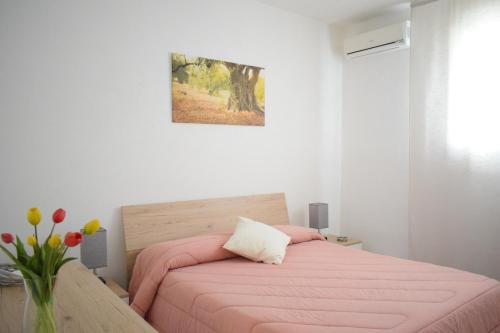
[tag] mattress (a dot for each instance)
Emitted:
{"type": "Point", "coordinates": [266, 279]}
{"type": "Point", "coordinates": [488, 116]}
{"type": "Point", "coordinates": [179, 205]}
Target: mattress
{"type": "Point", "coordinates": [320, 287]}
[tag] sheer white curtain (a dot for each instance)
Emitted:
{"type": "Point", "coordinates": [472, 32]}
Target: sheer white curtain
{"type": "Point", "coordinates": [455, 135]}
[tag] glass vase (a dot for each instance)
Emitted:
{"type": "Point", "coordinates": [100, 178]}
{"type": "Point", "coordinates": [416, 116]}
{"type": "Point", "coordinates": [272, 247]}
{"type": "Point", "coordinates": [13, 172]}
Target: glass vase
{"type": "Point", "coordinates": [39, 307]}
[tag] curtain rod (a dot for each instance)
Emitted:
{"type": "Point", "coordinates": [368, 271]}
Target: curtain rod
{"type": "Point", "coordinates": [418, 3]}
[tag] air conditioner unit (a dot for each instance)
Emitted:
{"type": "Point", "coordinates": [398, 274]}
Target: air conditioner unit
{"type": "Point", "coordinates": [390, 38]}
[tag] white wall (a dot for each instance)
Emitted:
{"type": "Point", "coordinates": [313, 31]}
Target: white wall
{"type": "Point", "coordinates": [85, 118]}
{"type": "Point", "coordinates": [375, 134]}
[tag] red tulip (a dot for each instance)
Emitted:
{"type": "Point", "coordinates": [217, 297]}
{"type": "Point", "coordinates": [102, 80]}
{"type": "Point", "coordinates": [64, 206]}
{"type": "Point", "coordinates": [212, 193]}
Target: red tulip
{"type": "Point", "coordinates": [72, 239]}
{"type": "Point", "coordinates": [59, 215]}
{"type": "Point", "coordinates": [7, 238]}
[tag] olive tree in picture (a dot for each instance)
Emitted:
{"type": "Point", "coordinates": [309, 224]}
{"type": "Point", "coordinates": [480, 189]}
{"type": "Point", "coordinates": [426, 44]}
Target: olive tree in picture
{"type": "Point", "coordinates": [243, 81]}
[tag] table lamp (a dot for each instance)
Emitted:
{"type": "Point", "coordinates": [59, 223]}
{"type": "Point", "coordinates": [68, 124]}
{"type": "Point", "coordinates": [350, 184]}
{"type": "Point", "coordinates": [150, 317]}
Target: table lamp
{"type": "Point", "coordinates": [94, 251]}
{"type": "Point", "coordinates": [318, 216]}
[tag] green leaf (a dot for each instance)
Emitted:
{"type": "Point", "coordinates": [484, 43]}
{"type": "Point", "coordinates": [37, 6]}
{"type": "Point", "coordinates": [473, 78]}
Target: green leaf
{"type": "Point", "coordinates": [22, 256]}
{"type": "Point", "coordinates": [8, 253]}
{"type": "Point", "coordinates": [27, 273]}
{"type": "Point", "coordinates": [59, 265]}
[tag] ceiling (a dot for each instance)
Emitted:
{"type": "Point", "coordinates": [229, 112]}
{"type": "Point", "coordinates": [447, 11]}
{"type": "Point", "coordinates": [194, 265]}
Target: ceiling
{"type": "Point", "coordinates": [334, 11]}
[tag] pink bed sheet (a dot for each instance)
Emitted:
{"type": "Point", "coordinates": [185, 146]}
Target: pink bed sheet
{"type": "Point", "coordinates": [321, 287]}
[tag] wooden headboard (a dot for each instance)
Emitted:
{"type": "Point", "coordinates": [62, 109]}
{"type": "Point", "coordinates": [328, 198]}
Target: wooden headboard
{"type": "Point", "coordinates": [145, 225]}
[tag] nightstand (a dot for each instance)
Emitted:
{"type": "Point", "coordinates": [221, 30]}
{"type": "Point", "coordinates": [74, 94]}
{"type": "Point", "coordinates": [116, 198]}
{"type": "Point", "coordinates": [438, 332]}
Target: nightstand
{"type": "Point", "coordinates": [352, 243]}
{"type": "Point", "coordinates": [84, 305]}
{"type": "Point", "coordinates": [117, 290]}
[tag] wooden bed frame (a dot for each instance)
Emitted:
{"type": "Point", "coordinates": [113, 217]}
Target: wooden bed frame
{"type": "Point", "coordinates": [145, 225]}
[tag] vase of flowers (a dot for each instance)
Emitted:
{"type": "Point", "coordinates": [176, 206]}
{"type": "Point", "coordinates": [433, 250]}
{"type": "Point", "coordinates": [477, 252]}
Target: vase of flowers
{"type": "Point", "coordinates": [39, 267]}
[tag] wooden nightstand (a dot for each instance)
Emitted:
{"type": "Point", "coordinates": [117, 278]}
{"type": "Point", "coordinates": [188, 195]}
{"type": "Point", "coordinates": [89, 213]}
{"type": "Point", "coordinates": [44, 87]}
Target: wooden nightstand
{"type": "Point", "coordinates": [117, 290]}
{"type": "Point", "coordinates": [352, 243]}
{"type": "Point", "coordinates": [84, 305]}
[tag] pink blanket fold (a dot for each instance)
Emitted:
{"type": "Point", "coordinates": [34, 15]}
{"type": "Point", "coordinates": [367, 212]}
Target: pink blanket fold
{"type": "Point", "coordinates": [320, 287]}
{"type": "Point", "coordinates": [154, 262]}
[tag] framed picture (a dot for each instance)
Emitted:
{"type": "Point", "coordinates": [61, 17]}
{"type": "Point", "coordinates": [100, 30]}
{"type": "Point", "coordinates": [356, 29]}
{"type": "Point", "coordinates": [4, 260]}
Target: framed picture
{"type": "Point", "coordinates": [211, 91]}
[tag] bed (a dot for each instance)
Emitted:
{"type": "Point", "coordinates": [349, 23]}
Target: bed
{"type": "Point", "coordinates": [183, 281]}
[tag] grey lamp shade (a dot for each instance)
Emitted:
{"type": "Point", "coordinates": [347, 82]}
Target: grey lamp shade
{"type": "Point", "coordinates": [318, 215]}
{"type": "Point", "coordinates": [94, 250]}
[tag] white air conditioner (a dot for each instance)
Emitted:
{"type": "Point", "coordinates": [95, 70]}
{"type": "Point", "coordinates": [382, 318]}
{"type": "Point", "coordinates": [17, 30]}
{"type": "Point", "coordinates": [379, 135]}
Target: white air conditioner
{"type": "Point", "coordinates": [390, 38]}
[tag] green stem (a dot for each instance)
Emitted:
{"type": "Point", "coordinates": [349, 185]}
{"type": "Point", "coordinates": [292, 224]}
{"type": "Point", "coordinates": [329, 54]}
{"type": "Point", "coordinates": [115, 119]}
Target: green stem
{"type": "Point", "coordinates": [36, 234]}
{"type": "Point", "coordinates": [42, 305]}
{"type": "Point", "coordinates": [51, 231]}
{"type": "Point", "coordinates": [8, 253]}
{"type": "Point", "coordinates": [45, 318]}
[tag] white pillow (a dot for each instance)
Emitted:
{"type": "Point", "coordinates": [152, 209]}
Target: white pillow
{"type": "Point", "coordinates": [258, 242]}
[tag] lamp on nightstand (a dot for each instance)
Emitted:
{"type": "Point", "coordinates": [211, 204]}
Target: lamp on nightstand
{"type": "Point", "coordinates": [318, 216]}
{"type": "Point", "coordinates": [94, 251]}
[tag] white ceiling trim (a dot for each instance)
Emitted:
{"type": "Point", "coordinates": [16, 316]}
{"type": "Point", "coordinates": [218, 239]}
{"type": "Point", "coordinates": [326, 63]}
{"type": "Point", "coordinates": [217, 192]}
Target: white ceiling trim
{"type": "Point", "coordinates": [335, 11]}
{"type": "Point", "coordinates": [417, 3]}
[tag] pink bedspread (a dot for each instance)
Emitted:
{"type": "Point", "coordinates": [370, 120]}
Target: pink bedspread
{"type": "Point", "coordinates": [321, 287]}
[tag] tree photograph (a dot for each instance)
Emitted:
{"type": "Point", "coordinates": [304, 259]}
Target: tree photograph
{"type": "Point", "coordinates": [211, 91]}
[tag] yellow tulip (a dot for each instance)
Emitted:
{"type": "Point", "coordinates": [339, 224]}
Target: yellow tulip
{"type": "Point", "coordinates": [91, 227]}
{"type": "Point", "coordinates": [34, 216]}
{"type": "Point", "coordinates": [31, 240]}
{"type": "Point", "coordinates": [54, 240]}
